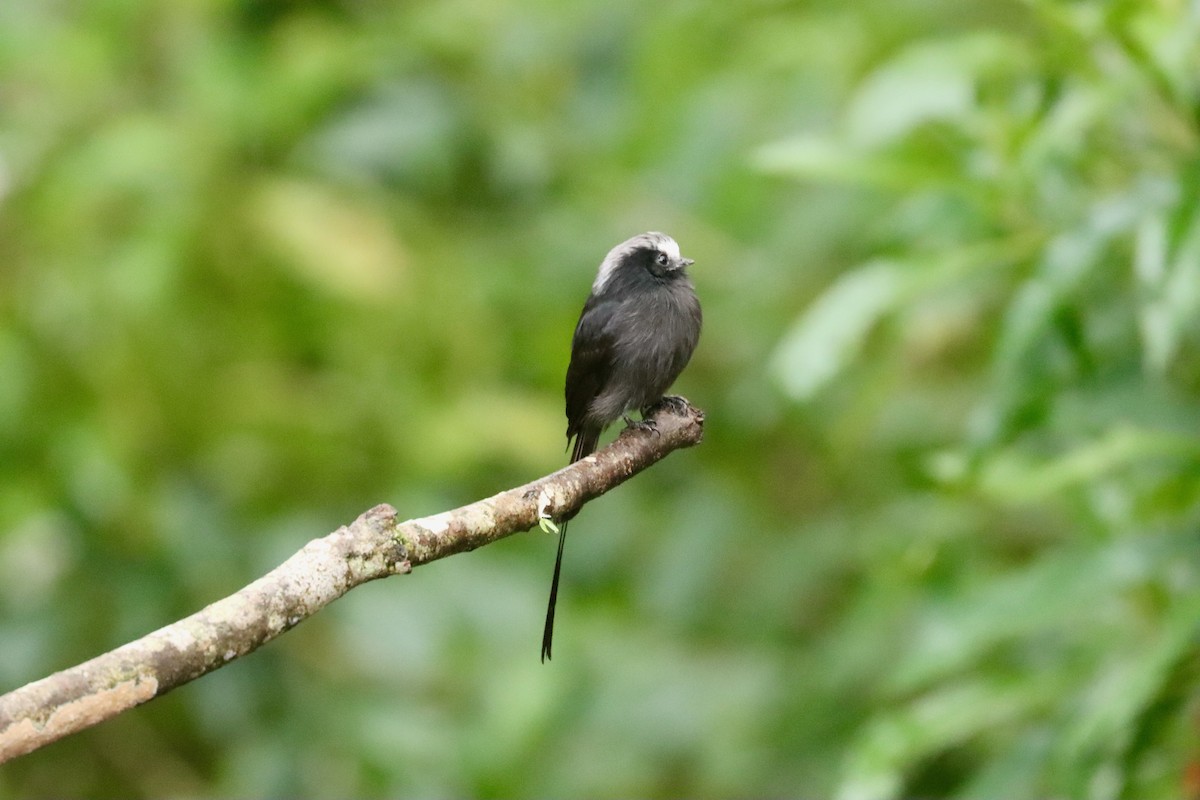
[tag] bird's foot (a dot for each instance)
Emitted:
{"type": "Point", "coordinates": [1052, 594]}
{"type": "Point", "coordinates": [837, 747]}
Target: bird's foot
{"type": "Point", "coordinates": [641, 425]}
{"type": "Point", "coordinates": [671, 402]}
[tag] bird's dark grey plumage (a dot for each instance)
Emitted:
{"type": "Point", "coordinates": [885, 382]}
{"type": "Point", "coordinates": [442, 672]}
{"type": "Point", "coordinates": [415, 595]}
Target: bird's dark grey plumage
{"type": "Point", "coordinates": [635, 335]}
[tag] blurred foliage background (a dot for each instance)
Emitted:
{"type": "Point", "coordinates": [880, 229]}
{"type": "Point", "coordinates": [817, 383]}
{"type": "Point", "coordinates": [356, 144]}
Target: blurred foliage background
{"type": "Point", "coordinates": [266, 264]}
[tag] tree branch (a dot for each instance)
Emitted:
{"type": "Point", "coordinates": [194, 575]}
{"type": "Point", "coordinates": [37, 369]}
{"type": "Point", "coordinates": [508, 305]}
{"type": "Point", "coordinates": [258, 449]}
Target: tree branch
{"type": "Point", "coordinates": [374, 546]}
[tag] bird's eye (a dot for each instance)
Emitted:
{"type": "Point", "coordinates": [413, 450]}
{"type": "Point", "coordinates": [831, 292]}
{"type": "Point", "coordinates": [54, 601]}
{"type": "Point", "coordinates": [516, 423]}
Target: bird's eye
{"type": "Point", "coordinates": [661, 259]}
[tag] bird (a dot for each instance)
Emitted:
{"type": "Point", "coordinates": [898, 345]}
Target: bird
{"type": "Point", "coordinates": [636, 333]}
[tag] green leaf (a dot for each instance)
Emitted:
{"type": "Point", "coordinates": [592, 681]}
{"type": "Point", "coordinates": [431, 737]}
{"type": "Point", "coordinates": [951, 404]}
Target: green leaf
{"type": "Point", "coordinates": [831, 333]}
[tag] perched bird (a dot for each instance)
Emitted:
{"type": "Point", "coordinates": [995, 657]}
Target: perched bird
{"type": "Point", "coordinates": [635, 335]}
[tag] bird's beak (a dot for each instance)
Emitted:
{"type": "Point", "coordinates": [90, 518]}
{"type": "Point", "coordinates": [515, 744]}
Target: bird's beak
{"type": "Point", "coordinates": [686, 262]}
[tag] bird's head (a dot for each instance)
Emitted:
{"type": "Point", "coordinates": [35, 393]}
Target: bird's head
{"type": "Point", "coordinates": [653, 254]}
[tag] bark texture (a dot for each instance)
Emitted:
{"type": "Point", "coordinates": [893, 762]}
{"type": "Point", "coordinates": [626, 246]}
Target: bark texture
{"type": "Point", "coordinates": [375, 545]}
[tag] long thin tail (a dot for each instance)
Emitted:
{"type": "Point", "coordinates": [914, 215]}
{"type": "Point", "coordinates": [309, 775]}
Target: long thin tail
{"type": "Point", "coordinates": [548, 632]}
{"type": "Point", "coordinates": [585, 445]}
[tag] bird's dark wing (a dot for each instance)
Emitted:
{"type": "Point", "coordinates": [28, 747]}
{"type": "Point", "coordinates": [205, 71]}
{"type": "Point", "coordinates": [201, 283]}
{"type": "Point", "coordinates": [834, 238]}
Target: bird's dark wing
{"type": "Point", "coordinates": [591, 360]}
{"type": "Point", "coordinates": [588, 373]}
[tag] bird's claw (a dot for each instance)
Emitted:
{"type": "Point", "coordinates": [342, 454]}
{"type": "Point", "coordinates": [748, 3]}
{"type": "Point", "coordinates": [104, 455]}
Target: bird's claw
{"type": "Point", "coordinates": [673, 403]}
{"type": "Point", "coordinates": [642, 425]}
